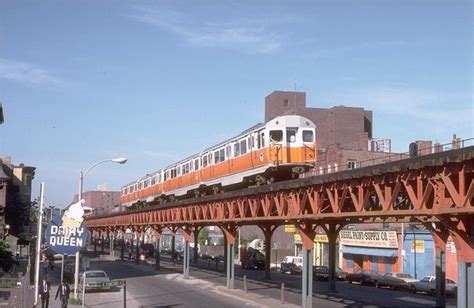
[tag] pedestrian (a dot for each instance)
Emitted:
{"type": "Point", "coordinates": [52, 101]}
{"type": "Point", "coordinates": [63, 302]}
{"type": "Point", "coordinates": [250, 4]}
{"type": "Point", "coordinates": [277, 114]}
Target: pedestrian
{"type": "Point", "coordinates": [63, 293]}
{"type": "Point", "coordinates": [44, 288]}
{"type": "Point", "coordinates": [45, 266]}
{"type": "Point", "coordinates": [129, 254]}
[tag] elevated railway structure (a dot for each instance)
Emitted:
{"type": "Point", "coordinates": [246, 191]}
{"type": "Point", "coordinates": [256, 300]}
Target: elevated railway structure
{"type": "Point", "coordinates": [436, 190]}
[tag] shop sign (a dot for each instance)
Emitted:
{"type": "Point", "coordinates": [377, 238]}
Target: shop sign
{"type": "Point", "coordinates": [381, 239]}
{"type": "Point", "coordinates": [418, 246]}
{"type": "Point", "coordinates": [67, 234]}
{"type": "Point", "coordinates": [321, 238]}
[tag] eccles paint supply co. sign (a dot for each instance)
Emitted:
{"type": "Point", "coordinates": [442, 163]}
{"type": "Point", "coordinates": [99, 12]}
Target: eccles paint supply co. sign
{"type": "Point", "coordinates": [67, 234]}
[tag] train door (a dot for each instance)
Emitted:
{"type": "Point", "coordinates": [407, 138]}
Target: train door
{"type": "Point", "coordinates": [290, 142]}
{"type": "Point", "coordinates": [276, 140]}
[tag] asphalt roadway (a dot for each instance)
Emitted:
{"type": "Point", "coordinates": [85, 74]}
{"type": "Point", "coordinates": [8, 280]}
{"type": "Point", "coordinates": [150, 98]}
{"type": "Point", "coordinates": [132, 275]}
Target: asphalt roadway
{"type": "Point", "coordinates": [206, 287]}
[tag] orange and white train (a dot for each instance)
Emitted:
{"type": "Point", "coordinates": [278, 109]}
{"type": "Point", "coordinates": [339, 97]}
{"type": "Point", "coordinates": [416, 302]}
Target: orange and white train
{"type": "Point", "coordinates": [277, 150]}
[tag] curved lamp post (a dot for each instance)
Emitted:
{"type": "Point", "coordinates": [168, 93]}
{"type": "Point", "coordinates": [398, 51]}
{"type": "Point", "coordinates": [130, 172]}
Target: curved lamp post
{"type": "Point", "coordinates": [120, 160]}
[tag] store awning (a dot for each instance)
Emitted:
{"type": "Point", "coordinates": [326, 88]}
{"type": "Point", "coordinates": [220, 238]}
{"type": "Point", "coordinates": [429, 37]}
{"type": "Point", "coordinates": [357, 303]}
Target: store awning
{"type": "Point", "coordinates": [369, 251]}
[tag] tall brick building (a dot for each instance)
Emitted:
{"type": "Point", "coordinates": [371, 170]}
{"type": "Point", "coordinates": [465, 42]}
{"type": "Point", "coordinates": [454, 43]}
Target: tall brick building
{"type": "Point", "coordinates": [344, 134]}
{"type": "Point", "coordinates": [101, 201]}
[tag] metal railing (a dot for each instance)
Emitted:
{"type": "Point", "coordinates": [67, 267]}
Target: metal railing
{"type": "Point", "coordinates": [437, 148]}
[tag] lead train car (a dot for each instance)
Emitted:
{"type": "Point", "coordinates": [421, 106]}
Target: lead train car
{"type": "Point", "coordinates": [278, 150]}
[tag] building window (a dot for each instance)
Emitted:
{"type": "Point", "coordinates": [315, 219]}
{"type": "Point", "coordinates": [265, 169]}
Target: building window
{"type": "Point", "coordinates": [285, 103]}
{"type": "Point", "coordinates": [351, 164]}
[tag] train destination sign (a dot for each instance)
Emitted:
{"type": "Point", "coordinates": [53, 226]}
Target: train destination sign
{"type": "Point", "coordinates": [67, 234]}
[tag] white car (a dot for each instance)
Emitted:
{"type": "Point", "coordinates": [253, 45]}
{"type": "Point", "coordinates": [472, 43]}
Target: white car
{"type": "Point", "coordinates": [428, 285]}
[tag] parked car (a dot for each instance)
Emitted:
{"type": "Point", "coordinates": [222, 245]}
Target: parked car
{"type": "Point", "coordinates": [320, 272]}
{"type": "Point", "coordinates": [428, 285]}
{"type": "Point", "coordinates": [397, 281]}
{"type": "Point", "coordinates": [292, 265]}
{"type": "Point", "coordinates": [95, 280]}
{"type": "Point", "coordinates": [340, 274]}
{"type": "Point", "coordinates": [363, 277]}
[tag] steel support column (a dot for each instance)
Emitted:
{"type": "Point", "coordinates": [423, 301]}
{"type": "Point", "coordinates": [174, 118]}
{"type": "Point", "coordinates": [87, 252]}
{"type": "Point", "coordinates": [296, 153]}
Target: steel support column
{"type": "Point", "coordinates": [230, 265]}
{"type": "Point", "coordinates": [332, 232]}
{"type": "Point", "coordinates": [440, 278]}
{"type": "Point", "coordinates": [268, 232]}
{"type": "Point", "coordinates": [196, 242]}
{"type": "Point", "coordinates": [230, 232]}
{"type": "Point", "coordinates": [111, 243]}
{"type": "Point", "coordinates": [187, 237]}
{"type": "Point", "coordinates": [157, 248]}
{"type": "Point", "coordinates": [137, 253]}
{"type": "Point", "coordinates": [307, 232]}
{"type": "Point", "coordinates": [122, 246]}
{"type": "Point", "coordinates": [440, 237]}
{"type": "Point", "coordinates": [307, 287]}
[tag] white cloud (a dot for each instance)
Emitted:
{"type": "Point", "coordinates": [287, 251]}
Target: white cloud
{"type": "Point", "coordinates": [27, 73]}
{"type": "Point", "coordinates": [246, 35]}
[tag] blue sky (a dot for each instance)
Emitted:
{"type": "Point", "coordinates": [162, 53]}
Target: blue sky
{"type": "Point", "coordinates": [156, 81]}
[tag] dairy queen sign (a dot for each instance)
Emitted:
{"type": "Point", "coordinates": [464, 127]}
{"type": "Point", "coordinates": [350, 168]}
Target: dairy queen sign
{"type": "Point", "coordinates": [67, 234]}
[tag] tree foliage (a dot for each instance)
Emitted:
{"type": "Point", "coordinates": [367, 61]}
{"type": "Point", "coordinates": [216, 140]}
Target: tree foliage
{"type": "Point", "coordinates": [204, 236]}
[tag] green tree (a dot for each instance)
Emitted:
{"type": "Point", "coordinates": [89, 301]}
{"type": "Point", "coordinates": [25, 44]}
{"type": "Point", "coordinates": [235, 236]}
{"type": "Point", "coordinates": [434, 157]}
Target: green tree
{"type": "Point", "coordinates": [204, 236]}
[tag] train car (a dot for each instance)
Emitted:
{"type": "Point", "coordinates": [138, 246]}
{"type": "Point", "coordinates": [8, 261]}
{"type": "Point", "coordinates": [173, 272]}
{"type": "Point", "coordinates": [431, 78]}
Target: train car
{"type": "Point", "coordinates": [278, 150]}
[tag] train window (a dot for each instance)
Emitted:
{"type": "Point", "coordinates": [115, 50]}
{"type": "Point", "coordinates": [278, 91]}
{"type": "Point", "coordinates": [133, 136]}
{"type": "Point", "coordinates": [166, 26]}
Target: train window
{"type": "Point", "coordinates": [196, 164]}
{"type": "Point", "coordinates": [145, 184]}
{"type": "Point", "coordinates": [222, 155]}
{"type": "Point", "coordinates": [258, 141]}
{"type": "Point", "coordinates": [216, 157]}
{"type": "Point", "coordinates": [291, 135]}
{"type": "Point", "coordinates": [227, 151]}
{"type": "Point", "coordinates": [263, 140]}
{"type": "Point", "coordinates": [204, 161]}
{"type": "Point", "coordinates": [209, 158]}
{"type": "Point", "coordinates": [308, 136]}
{"type": "Point", "coordinates": [251, 143]}
{"type": "Point", "coordinates": [236, 149]}
{"type": "Point", "coordinates": [243, 147]}
{"type": "Point", "coordinates": [153, 180]}
{"type": "Point", "coordinates": [158, 180]}
{"type": "Point", "coordinates": [276, 135]}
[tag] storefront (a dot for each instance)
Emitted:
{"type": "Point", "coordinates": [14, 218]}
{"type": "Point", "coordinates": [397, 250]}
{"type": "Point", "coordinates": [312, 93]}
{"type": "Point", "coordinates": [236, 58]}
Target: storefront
{"type": "Point", "coordinates": [371, 250]}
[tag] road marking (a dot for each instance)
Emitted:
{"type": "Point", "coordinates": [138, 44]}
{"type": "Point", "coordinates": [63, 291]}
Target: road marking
{"type": "Point", "coordinates": [415, 300]}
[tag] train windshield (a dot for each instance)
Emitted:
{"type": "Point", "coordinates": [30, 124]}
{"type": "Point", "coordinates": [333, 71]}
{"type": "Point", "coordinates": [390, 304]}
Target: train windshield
{"type": "Point", "coordinates": [276, 135]}
{"type": "Point", "coordinates": [308, 136]}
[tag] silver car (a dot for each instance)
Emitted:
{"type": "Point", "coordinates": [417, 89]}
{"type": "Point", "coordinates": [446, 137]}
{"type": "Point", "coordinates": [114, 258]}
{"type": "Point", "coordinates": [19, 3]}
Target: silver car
{"type": "Point", "coordinates": [95, 280]}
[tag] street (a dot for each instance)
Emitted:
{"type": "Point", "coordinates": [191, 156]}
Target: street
{"type": "Point", "coordinates": [207, 288]}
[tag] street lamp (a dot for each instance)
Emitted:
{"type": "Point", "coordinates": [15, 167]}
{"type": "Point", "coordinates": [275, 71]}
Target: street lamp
{"type": "Point", "coordinates": [120, 160]}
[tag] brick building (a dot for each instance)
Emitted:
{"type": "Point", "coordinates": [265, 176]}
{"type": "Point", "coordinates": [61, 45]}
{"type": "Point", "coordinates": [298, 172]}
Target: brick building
{"type": "Point", "coordinates": [101, 201]}
{"type": "Point", "coordinates": [15, 195]}
{"type": "Point", "coordinates": [343, 134]}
